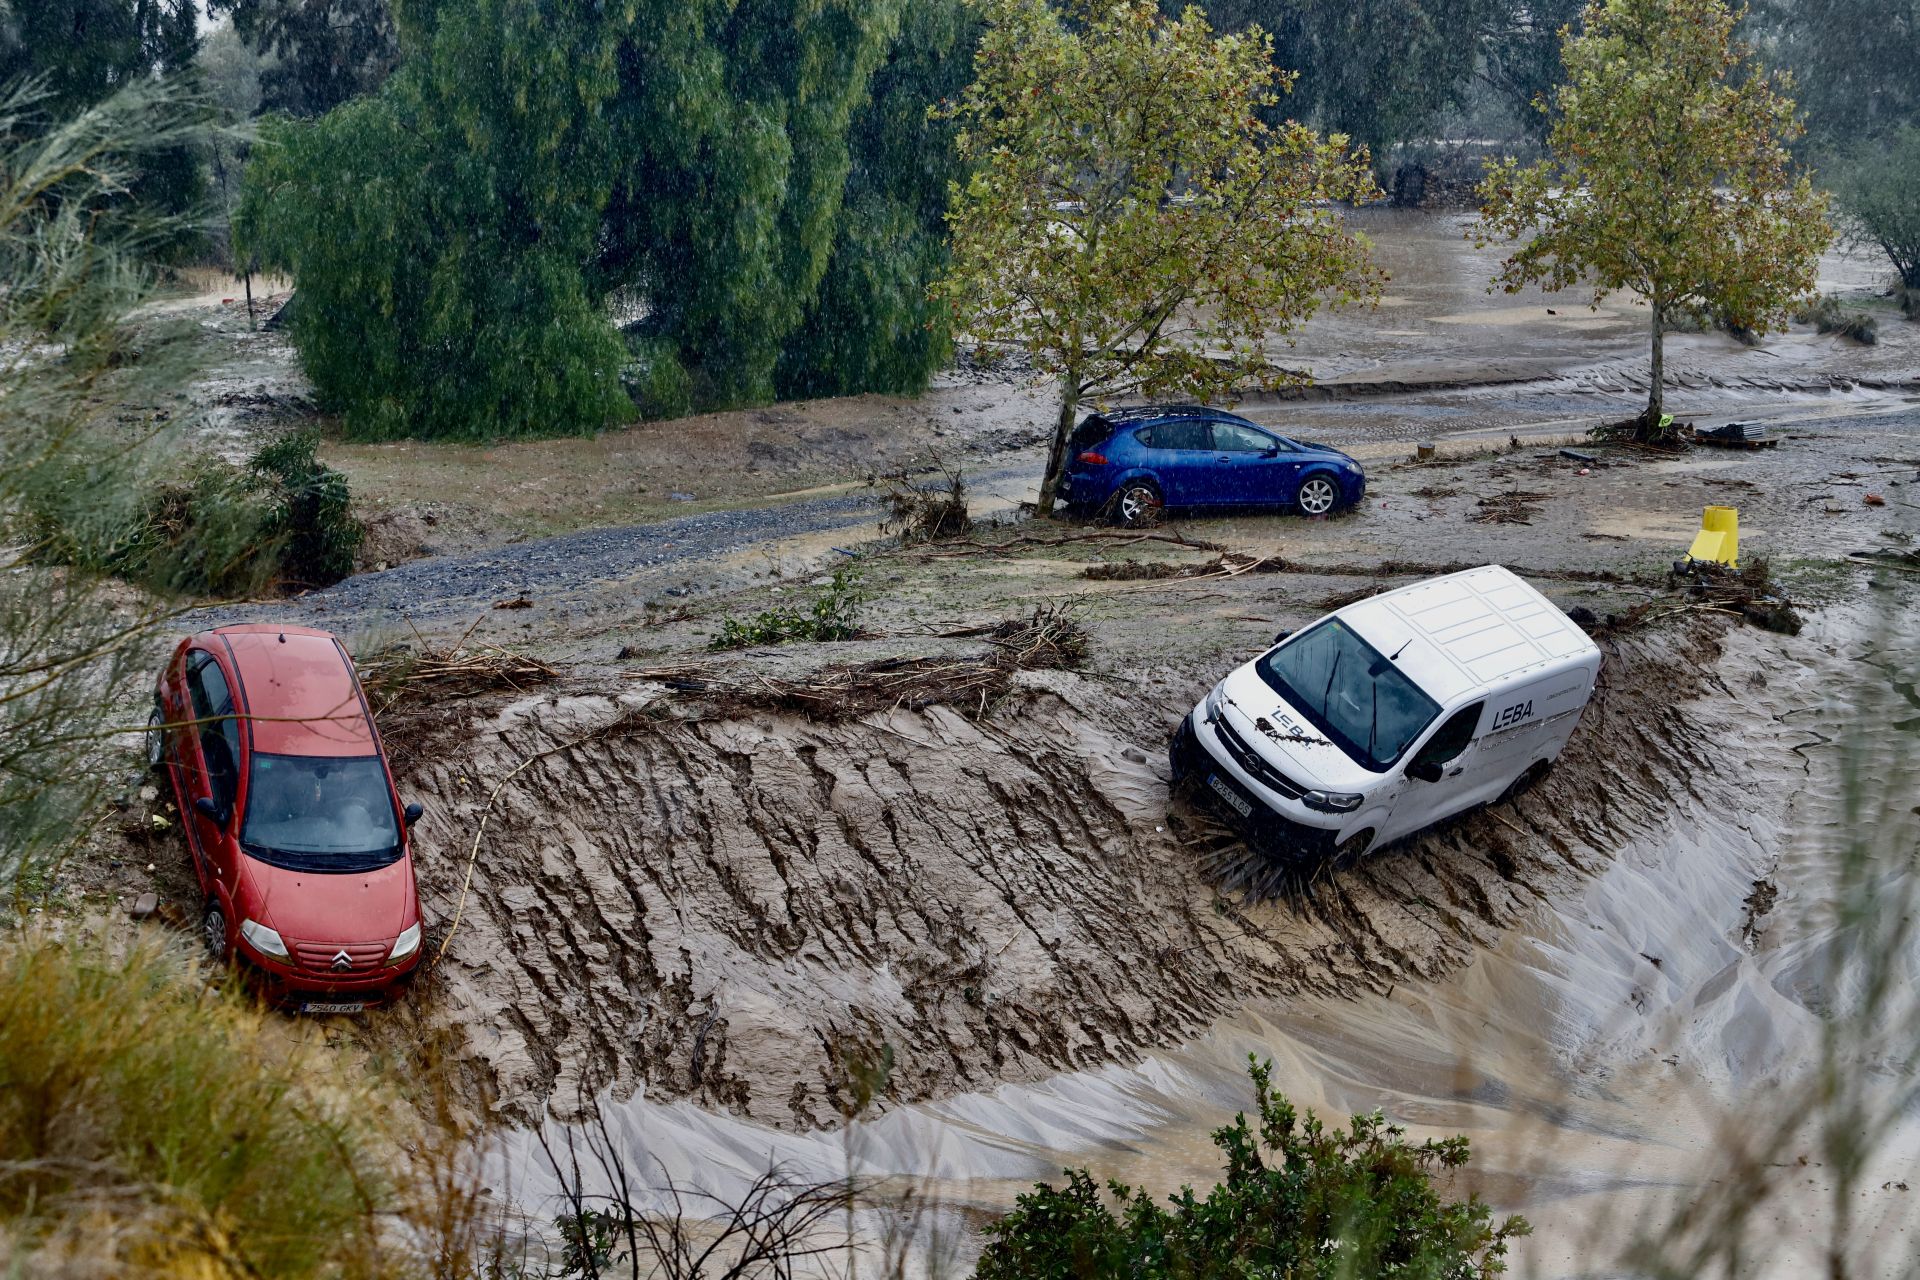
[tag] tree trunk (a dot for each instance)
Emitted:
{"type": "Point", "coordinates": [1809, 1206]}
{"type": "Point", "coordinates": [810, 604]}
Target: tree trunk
{"type": "Point", "coordinates": [1057, 455]}
{"type": "Point", "coordinates": [1656, 389]}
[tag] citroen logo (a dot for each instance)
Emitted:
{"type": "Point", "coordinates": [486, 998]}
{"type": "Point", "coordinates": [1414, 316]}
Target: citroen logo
{"type": "Point", "coordinates": [342, 961]}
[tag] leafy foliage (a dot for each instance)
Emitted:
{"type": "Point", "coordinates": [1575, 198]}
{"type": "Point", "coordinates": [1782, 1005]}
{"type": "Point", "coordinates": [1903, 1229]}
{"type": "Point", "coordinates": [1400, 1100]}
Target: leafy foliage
{"type": "Point", "coordinates": [463, 238]}
{"type": "Point", "coordinates": [1378, 71]}
{"type": "Point", "coordinates": [834, 614]}
{"type": "Point", "coordinates": [1877, 188]}
{"type": "Point", "coordinates": [437, 232]}
{"type": "Point", "coordinates": [1670, 177]}
{"type": "Point", "coordinates": [1332, 1204]}
{"type": "Point", "coordinates": [1132, 221]}
{"type": "Point", "coordinates": [76, 53]}
{"type": "Point", "coordinates": [70, 252]}
{"type": "Point", "coordinates": [322, 52]}
{"type": "Point", "coordinates": [874, 326]}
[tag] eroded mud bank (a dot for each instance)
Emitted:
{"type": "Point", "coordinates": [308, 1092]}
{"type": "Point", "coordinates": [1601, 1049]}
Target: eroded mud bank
{"type": "Point", "coordinates": [726, 910]}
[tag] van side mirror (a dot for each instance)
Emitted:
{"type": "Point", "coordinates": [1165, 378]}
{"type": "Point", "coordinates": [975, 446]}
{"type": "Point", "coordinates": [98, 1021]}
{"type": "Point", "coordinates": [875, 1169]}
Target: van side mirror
{"type": "Point", "coordinates": [1280, 636]}
{"type": "Point", "coordinates": [212, 812]}
{"type": "Point", "coordinates": [1425, 771]}
{"type": "Point", "coordinates": [414, 811]}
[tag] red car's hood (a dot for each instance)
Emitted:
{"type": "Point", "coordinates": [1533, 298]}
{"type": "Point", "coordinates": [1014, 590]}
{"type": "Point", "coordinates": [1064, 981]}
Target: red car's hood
{"type": "Point", "coordinates": [308, 906]}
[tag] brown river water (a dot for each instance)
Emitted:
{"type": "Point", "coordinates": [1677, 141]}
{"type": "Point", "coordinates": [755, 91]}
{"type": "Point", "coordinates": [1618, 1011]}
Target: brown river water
{"type": "Point", "coordinates": [1605, 1056]}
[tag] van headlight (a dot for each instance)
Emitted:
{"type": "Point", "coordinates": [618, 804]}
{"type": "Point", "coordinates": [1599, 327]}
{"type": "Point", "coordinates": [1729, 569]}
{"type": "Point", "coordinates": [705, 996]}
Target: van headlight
{"type": "Point", "coordinates": [406, 944]}
{"type": "Point", "coordinates": [1216, 704]}
{"type": "Point", "coordinates": [1331, 801]}
{"type": "Point", "coordinates": [264, 940]}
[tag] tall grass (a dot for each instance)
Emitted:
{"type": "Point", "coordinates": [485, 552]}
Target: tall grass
{"type": "Point", "coordinates": [152, 1122]}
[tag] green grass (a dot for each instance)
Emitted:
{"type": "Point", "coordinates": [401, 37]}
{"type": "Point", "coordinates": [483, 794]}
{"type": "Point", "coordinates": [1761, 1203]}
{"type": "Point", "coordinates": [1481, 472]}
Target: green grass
{"type": "Point", "coordinates": [151, 1127]}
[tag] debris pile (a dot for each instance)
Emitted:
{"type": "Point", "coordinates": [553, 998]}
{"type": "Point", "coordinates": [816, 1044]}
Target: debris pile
{"type": "Point", "coordinates": [920, 513]}
{"type": "Point", "coordinates": [1515, 506]}
{"type": "Point", "coordinates": [1050, 639]}
{"type": "Point", "coordinates": [403, 672]}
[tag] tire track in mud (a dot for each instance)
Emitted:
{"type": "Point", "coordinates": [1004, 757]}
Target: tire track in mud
{"type": "Point", "coordinates": [727, 910]}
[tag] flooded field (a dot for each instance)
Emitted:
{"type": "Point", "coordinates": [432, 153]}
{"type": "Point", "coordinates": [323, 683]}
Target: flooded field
{"type": "Point", "coordinates": [1630, 987]}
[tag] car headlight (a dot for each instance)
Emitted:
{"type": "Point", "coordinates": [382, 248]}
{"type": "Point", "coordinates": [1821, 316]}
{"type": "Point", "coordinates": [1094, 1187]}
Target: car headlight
{"type": "Point", "coordinates": [1216, 703]}
{"type": "Point", "coordinates": [406, 944]}
{"type": "Point", "coordinates": [1331, 801]}
{"type": "Point", "coordinates": [264, 940]}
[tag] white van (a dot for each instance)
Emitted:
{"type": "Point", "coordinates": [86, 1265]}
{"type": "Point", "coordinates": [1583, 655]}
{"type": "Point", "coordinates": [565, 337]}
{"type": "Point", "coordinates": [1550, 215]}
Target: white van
{"type": "Point", "coordinates": [1392, 714]}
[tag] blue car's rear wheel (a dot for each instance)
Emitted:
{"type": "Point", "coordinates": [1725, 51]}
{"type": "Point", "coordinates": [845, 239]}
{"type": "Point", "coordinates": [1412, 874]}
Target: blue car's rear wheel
{"type": "Point", "coordinates": [1139, 504]}
{"type": "Point", "coordinates": [1317, 495]}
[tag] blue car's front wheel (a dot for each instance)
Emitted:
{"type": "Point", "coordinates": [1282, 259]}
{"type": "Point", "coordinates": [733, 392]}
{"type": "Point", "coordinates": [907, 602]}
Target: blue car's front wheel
{"type": "Point", "coordinates": [1318, 495]}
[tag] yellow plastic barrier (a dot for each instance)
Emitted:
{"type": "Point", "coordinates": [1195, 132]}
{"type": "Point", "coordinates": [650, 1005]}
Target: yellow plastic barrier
{"type": "Point", "coordinates": [1719, 538]}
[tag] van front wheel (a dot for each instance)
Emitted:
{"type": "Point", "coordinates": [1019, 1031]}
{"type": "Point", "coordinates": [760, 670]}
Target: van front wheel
{"type": "Point", "coordinates": [1348, 851]}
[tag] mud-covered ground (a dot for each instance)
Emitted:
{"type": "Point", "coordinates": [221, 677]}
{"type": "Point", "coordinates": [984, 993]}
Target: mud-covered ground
{"type": "Point", "coordinates": [723, 906]}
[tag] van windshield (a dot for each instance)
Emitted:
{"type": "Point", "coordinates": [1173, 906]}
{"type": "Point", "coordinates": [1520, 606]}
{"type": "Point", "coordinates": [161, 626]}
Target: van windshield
{"type": "Point", "coordinates": [1349, 692]}
{"type": "Point", "coordinates": [318, 813]}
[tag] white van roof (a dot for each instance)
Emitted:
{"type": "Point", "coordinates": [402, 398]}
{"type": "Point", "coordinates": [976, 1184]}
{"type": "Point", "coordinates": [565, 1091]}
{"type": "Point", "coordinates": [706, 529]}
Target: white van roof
{"type": "Point", "coordinates": [1469, 631]}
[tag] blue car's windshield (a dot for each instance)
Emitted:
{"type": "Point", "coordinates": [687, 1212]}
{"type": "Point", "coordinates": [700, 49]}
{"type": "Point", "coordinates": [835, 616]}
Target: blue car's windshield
{"type": "Point", "coordinates": [1349, 692]}
{"type": "Point", "coordinates": [318, 813]}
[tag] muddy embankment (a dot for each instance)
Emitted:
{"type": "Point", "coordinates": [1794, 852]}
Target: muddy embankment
{"type": "Point", "coordinates": [727, 909]}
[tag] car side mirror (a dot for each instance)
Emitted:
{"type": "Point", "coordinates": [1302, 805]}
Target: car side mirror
{"type": "Point", "coordinates": [414, 811]}
{"type": "Point", "coordinates": [212, 812]}
{"type": "Point", "coordinates": [1280, 636]}
{"type": "Point", "coordinates": [1270, 453]}
{"type": "Point", "coordinates": [1425, 771]}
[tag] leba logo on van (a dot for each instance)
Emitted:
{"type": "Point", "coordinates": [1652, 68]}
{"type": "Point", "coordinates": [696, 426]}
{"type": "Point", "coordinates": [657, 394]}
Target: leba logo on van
{"type": "Point", "coordinates": [1518, 713]}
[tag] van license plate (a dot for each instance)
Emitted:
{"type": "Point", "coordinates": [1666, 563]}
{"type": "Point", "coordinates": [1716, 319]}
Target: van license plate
{"type": "Point", "coordinates": [334, 1006]}
{"type": "Point", "coordinates": [1231, 796]}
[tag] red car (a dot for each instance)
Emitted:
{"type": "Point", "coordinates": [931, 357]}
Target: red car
{"type": "Point", "coordinates": [295, 829]}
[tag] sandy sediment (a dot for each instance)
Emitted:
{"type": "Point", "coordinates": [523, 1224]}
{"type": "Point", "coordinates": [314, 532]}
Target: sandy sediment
{"type": "Point", "coordinates": [729, 910]}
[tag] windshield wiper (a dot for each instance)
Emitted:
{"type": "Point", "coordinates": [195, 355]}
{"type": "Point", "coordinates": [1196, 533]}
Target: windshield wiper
{"type": "Point", "coordinates": [1326, 694]}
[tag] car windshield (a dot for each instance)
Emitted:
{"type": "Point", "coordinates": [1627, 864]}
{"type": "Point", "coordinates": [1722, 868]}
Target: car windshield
{"type": "Point", "coordinates": [1359, 699]}
{"type": "Point", "coordinates": [320, 813]}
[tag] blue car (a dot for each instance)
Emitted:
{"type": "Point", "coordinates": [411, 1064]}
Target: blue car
{"type": "Point", "coordinates": [1134, 464]}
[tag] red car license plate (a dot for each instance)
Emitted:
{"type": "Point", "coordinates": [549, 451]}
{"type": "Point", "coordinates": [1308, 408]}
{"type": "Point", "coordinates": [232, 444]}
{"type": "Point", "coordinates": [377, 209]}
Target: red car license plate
{"type": "Point", "coordinates": [333, 1006]}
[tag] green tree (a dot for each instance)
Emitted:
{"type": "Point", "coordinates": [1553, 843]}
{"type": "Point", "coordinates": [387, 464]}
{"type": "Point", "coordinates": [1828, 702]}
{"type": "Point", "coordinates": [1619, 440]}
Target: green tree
{"type": "Point", "coordinates": [1520, 55]}
{"type": "Point", "coordinates": [463, 238]}
{"type": "Point", "coordinates": [1670, 177]}
{"type": "Point", "coordinates": [1877, 188]}
{"type": "Point", "coordinates": [1132, 222]}
{"type": "Point", "coordinates": [438, 230]}
{"type": "Point", "coordinates": [321, 52]}
{"type": "Point", "coordinates": [874, 325]}
{"type": "Point", "coordinates": [730, 174]}
{"type": "Point", "coordinates": [1359, 1202]}
{"type": "Point", "coordinates": [1379, 71]}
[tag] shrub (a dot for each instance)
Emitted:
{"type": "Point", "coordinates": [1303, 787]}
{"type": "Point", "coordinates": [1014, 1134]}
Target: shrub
{"type": "Point", "coordinates": [1877, 189]}
{"type": "Point", "coordinates": [151, 1126]}
{"type": "Point", "coordinates": [833, 615]}
{"type": "Point", "coordinates": [208, 528]}
{"type": "Point", "coordinates": [311, 512]}
{"type": "Point", "coordinates": [1339, 1203]}
{"type": "Point", "coordinates": [1828, 316]}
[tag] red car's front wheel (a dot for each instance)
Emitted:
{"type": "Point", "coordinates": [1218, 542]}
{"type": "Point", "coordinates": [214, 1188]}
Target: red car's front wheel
{"type": "Point", "coordinates": [213, 932]}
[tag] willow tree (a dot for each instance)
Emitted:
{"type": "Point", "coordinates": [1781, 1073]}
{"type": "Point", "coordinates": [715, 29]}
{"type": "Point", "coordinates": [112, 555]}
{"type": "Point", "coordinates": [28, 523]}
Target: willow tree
{"type": "Point", "coordinates": [1669, 177]}
{"type": "Point", "coordinates": [1131, 221]}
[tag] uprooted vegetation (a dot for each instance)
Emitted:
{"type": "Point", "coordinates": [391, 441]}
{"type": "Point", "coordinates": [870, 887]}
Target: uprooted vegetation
{"type": "Point", "coordinates": [918, 513]}
{"type": "Point", "coordinates": [1051, 639]}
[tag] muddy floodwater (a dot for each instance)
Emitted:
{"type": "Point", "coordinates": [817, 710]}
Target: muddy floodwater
{"type": "Point", "coordinates": [1599, 1053]}
{"type": "Point", "coordinates": [686, 916]}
